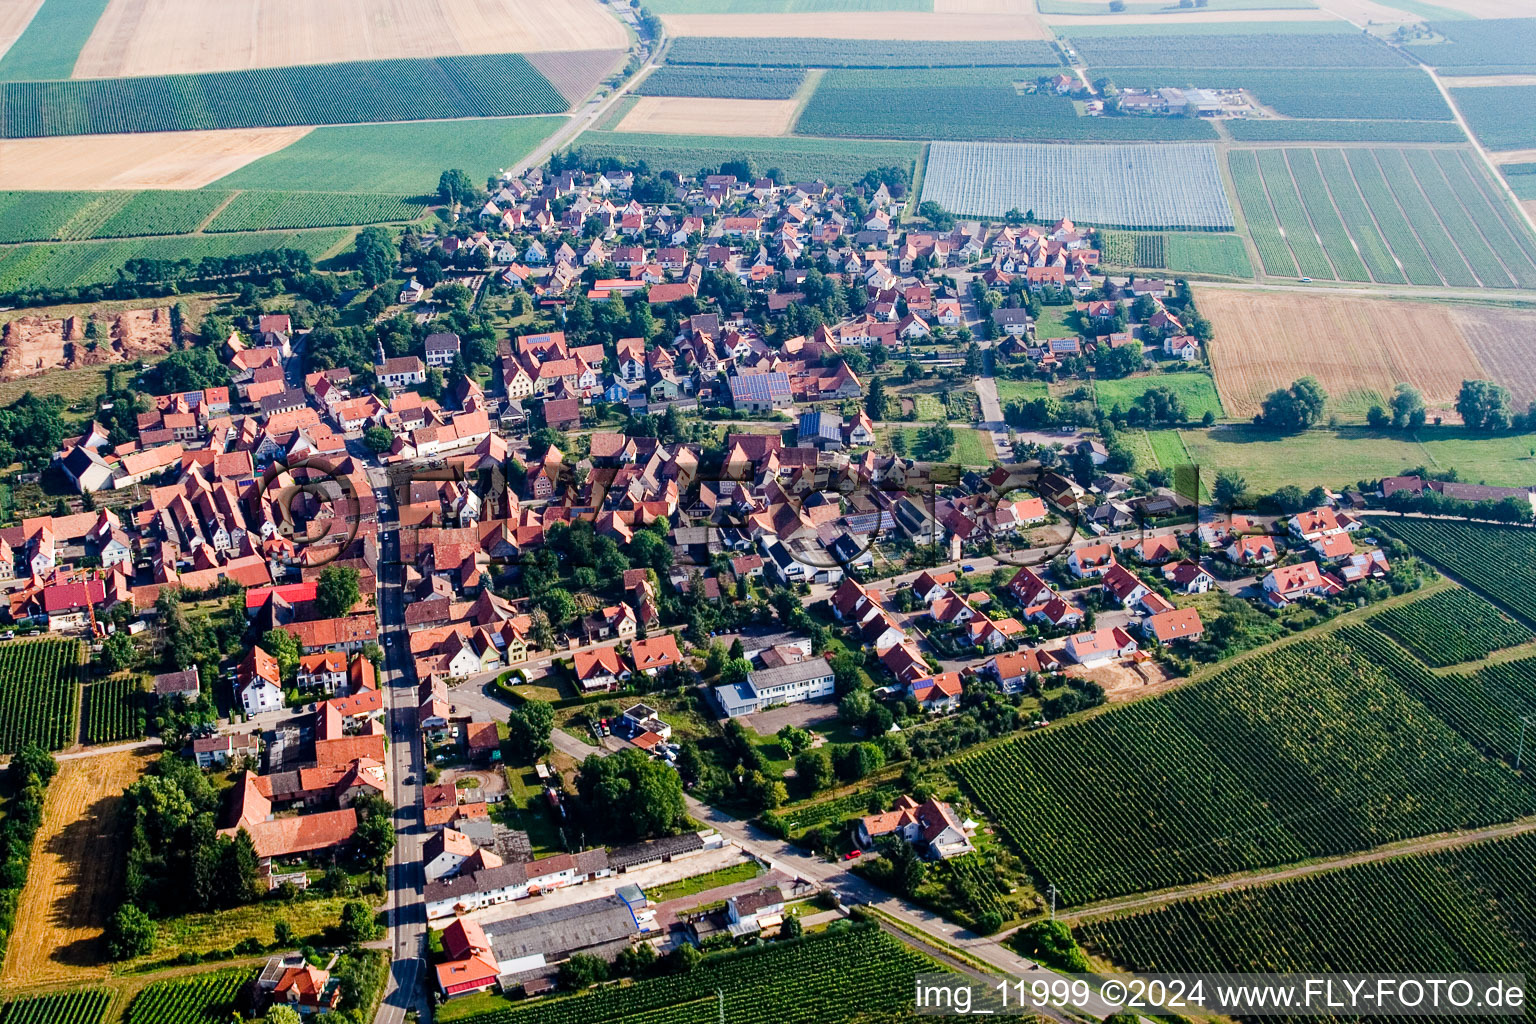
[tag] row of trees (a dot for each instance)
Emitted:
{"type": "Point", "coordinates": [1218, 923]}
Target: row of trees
{"type": "Point", "coordinates": [25, 782]}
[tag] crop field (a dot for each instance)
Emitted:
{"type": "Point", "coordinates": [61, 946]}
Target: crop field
{"type": "Point", "coordinates": [38, 685]}
{"type": "Point", "coordinates": [1521, 178]}
{"type": "Point", "coordinates": [1198, 253]}
{"type": "Point", "coordinates": [72, 888]}
{"type": "Point", "coordinates": [67, 216]}
{"type": "Point", "coordinates": [1111, 186]}
{"type": "Point", "coordinates": [1385, 94]}
{"type": "Point", "coordinates": [1262, 226]}
{"type": "Point", "coordinates": [111, 710]}
{"type": "Point", "coordinates": [837, 161]}
{"type": "Point", "coordinates": [1080, 7]}
{"type": "Point", "coordinates": [1467, 908]}
{"type": "Point", "coordinates": [1496, 561]}
{"type": "Point", "coordinates": [1302, 750]}
{"type": "Point", "coordinates": [52, 40]}
{"type": "Point", "coordinates": [972, 103]}
{"type": "Point", "coordinates": [143, 160]}
{"type": "Point", "coordinates": [70, 264]}
{"type": "Point", "coordinates": [1381, 213]}
{"type": "Point", "coordinates": [261, 211]}
{"type": "Point", "coordinates": [1236, 50]}
{"type": "Point", "coordinates": [858, 53]}
{"type": "Point", "coordinates": [1500, 337]}
{"type": "Point", "coordinates": [190, 36]}
{"type": "Point", "coordinates": [1263, 340]}
{"type": "Point", "coordinates": [1482, 42]}
{"type": "Point", "coordinates": [1196, 389]}
{"type": "Point", "coordinates": [837, 975]}
{"type": "Point", "coordinates": [1451, 627]}
{"type": "Point", "coordinates": [81, 1006]}
{"type": "Point", "coordinates": [1499, 115]}
{"type": "Point", "coordinates": [784, 6]}
{"type": "Point", "coordinates": [1299, 232]}
{"type": "Point", "coordinates": [687, 115]}
{"type": "Point", "coordinates": [1272, 130]}
{"type": "Point", "coordinates": [399, 158]}
{"type": "Point", "coordinates": [732, 83]}
{"type": "Point", "coordinates": [962, 21]}
{"type": "Point", "coordinates": [497, 85]}
{"type": "Point", "coordinates": [198, 999]}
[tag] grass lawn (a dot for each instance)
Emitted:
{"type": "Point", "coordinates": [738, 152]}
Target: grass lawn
{"type": "Point", "coordinates": [972, 447]}
{"type": "Point", "coordinates": [1052, 323]}
{"type": "Point", "coordinates": [1338, 458]}
{"type": "Point", "coordinates": [1140, 445]}
{"type": "Point", "coordinates": [1196, 389]}
{"type": "Point", "coordinates": [472, 1005]}
{"type": "Point", "coordinates": [703, 883]}
{"type": "Point", "coordinates": [203, 933]}
{"type": "Point", "coordinates": [524, 785]}
{"type": "Point", "coordinates": [1021, 390]}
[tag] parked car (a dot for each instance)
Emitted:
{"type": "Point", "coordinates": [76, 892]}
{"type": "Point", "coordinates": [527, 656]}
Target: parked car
{"type": "Point", "coordinates": [853, 854]}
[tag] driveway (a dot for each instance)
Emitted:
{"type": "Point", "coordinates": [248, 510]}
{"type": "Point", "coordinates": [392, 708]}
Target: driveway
{"type": "Point", "coordinates": [807, 715]}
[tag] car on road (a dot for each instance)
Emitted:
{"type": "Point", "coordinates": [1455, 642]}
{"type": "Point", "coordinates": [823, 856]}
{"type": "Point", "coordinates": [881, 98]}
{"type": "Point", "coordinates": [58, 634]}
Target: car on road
{"type": "Point", "coordinates": [410, 780]}
{"type": "Point", "coordinates": [967, 568]}
{"type": "Point", "coordinates": [854, 854]}
{"type": "Point", "coordinates": [1306, 280]}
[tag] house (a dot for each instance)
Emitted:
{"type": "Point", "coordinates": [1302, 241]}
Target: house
{"type": "Point", "coordinates": [402, 372]}
{"type": "Point", "coordinates": [441, 349]}
{"type": "Point", "coordinates": [469, 964]}
{"type": "Point", "coordinates": [1100, 646]}
{"type": "Point", "coordinates": [184, 684]}
{"type": "Point", "coordinates": [599, 669]}
{"type": "Point", "coordinates": [1188, 577]}
{"type": "Point", "coordinates": [761, 910]}
{"type": "Point", "coordinates": [931, 825]}
{"type": "Point", "coordinates": [655, 654]}
{"type": "Point", "coordinates": [1090, 560]}
{"type": "Point", "coordinates": [810, 679]}
{"type": "Point", "coordinates": [1175, 624]}
{"type": "Point", "coordinates": [1251, 549]}
{"type": "Point", "coordinates": [928, 587]}
{"type": "Point", "coordinates": [326, 671]}
{"type": "Point", "coordinates": [444, 852]}
{"type": "Point", "coordinates": [1318, 522]}
{"type": "Point", "coordinates": [761, 392]}
{"type": "Point", "coordinates": [299, 985]}
{"type": "Point", "coordinates": [1012, 322]}
{"type": "Point", "coordinates": [1123, 585]}
{"type": "Point", "coordinates": [1012, 671]}
{"type": "Point", "coordinates": [259, 682]}
{"type": "Point", "coordinates": [219, 750]}
{"type": "Point", "coordinates": [1287, 583]}
{"type": "Point", "coordinates": [937, 693]}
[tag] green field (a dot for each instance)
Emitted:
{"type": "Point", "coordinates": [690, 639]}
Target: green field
{"type": "Point", "coordinates": [1171, 46]}
{"type": "Point", "coordinates": [1273, 130]}
{"type": "Point", "coordinates": [1494, 113]}
{"type": "Point", "coordinates": [1329, 94]}
{"type": "Point", "coordinates": [50, 44]}
{"type": "Point", "coordinates": [729, 82]}
{"type": "Point", "coordinates": [398, 158]}
{"type": "Point", "coordinates": [1450, 627]}
{"type": "Point", "coordinates": [57, 265]}
{"type": "Point", "coordinates": [1196, 389]}
{"type": "Point", "coordinates": [261, 211]}
{"type": "Point", "coordinates": [800, 159]}
{"type": "Point", "coordinates": [1521, 178]}
{"type": "Point", "coordinates": [69, 216]}
{"type": "Point", "coordinates": [1158, 7]}
{"type": "Point", "coordinates": [1487, 42]}
{"type": "Point", "coordinates": [972, 447]}
{"type": "Point", "coordinates": [1020, 390]}
{"type": "Point", "coordinates": [967, 104]}
{"type": "Point", "coordinates": [491, 85]}
{"type": "Point", "coordinates": [797, 52]}
{"type": "Point", "coordinates": [1262, 226]}
{"type": "Point", "coordinates": [1472, 908]}
{"type": "Point", "coordinates": [1300, 750]}
{"type": "Point", "coordinates": [1182, 252]}
{"type": "Point", "coordinates": [1341, 457]}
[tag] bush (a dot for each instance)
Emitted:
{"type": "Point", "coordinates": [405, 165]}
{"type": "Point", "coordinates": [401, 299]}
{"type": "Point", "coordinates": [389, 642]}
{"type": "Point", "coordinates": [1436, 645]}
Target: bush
{"type": "Point", "coordinates": [130, 933]}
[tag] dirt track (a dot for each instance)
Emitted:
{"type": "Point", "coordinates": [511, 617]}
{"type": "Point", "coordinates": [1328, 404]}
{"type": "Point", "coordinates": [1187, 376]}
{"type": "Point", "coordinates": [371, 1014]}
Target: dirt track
{"type": "Point", "coordinates": [72, 886]}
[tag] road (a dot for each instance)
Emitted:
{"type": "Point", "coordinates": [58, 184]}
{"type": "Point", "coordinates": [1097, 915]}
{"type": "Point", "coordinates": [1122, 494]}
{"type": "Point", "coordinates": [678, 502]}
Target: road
{"type": "Point", "coordinates": [404, 880]}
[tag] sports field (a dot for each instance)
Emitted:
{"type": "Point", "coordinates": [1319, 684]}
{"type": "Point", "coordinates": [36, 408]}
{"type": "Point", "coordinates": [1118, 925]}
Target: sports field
{"type": "Point", "coordinates": [1263, 340]}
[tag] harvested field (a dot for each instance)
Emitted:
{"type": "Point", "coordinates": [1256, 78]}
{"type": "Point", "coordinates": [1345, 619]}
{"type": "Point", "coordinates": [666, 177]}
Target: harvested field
{"type": "Point", "coordinates": [1174, 18]}
{"type": "Point", "coordinates": [157, 37]}
{"type": "Point", "coordinates": [72, 887]}
{"type": "Point", "coordinates": [687, 115]}
{"type": "Point", "coordinates": [1266, 340]}
{"type": "Point", "coordinates": [856, 25]}
{"type": "Point", "coordinates": [1489, 8]}
{"type": "Point", "coordinates": [1362, 11]}
{"type": "Point", "coordinates": [1500, 338]}
{"type": "Point", "coordinates": [1477, 81]}
{"type": "Point", "coordinates": [33, 345]}
{"type": "Point", "coordinates": [576, 72]}
{"type": "Point", "coordinates": [172, 160]}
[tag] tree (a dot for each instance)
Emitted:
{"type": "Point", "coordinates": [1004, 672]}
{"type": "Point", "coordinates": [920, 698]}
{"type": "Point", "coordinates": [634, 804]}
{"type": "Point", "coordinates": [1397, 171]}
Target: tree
{"type": "Point", "coordinates": [1230, 490]}
{"type": "Point", "coordinates": [855, 707]}
{"type": "Point", "coordinates": [378, 439]}
{"type": "Point", "coordinates": [1120, 361]}
{"type": "Point", "coordinates": [432, 387]}
{"type": "Point", "coordinates": [791, 928]}
{"type": "Point", "coordinates": [628, 796]}
{"type": "Point", "coordinates": [454, 186]}
{"type": "Point", "coordinates": [376, 255]}
{"type": "Point", "coordinates": [859, 760]}
{"type": "Point", "coordinates": [282, 1014]}
{"type": "Point", "coordinates": [281, 645]}
{"type": "Point", "coordinates": [874, 398]}
{"type": "Point", "coordinates": [906, 867]}
{"type": "Point", "coordinates": [528, 729]}
{"type": "Point", "coordinates": [793, 739]}
{"type": "Point", "coordinates": [813, 770]}
{"type": "Point", "coordinates": [1407, 407]}
{"type": "Point", "coordinates": [358, 923]}
{"type": "Point", "coordinates": [337, 591]}
{"type": "Point", "coordinates": [1298, 407]}
{"type": "Point", "coordinates": [1484, 405]}
{"type": "Point", "coordinates": [235, 879]}
{"type": "Point", "coordinates": [583, 970]}
{"type": "Point", "coordinates": [117, 651]}
{"type": "Point", "coordinates": [130, 933]}
{"type": "Point", "coordinates": [935, 442]}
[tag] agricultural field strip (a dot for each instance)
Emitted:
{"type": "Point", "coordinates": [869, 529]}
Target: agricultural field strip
{"type": "Point", "coordinates": [1426, 221]}
{"type": "Point", "coordinates": [109, 711]}
{"type": "Point", "coordinates": [1468, 236]}
{"type": "Point", "coordinates": [1325, 216]}
{"type": "Point", "coordinates": [39, 692]}
{"type": "Point", "coordinates": [1153, 186]}
{"type": "Point", "coordinates": [79, 1006]}
{"type": "Point", "coordinates": [1511, 241]}
{"type": "Point", "coordinates": [1299, 232]}
{"type": "Point", "coordinates": [197, 999]}
{"type": "Point", "coordinates": [726, 83]}
{"type": "Point", "coordinates": [1450, 627]}
{"type": "Point", "coordinates": [1357, 217]}
{"type": "Point", "coordinates": [1259, 215]}
{"type": "Point", "coordinates": [1274, 758]}
{"type": "Point", "coordinates": [1499, 115]}
{"type": "Point", "coordinates": [1407, 248]}
{"type": "Point", "coordinates": [858, 53]}
{"type": "Point", "coordinates": [1497, 562]}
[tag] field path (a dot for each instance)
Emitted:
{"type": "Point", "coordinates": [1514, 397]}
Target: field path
{"type": "Point", "coordinates": [1423, 845]}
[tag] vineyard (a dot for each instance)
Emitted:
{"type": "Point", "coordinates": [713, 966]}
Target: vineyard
{"type": "Point", "coordinates": [199, 999]}
{"type": "Point", "coordinates": [858, 53]}
{"type": "Point", "coordinates": [983, 104]}
{"type": "Point", "coordinates": [1486, 43]}
{"type": "Point", "coordinates": [815, 980]}
{"type": "Point", "coordinates": [1303, 750]}
{"type": "Point", "coordinates": [491, 85]}
{"type": "Point", "coordinates": [729, 83]}
{"type": "Point", "coordinates": [72, 264]}
{"type": "Point", "coordinates": [262, 211]}
{"type": "Point", "coordinates": [69, 216]}
{"type": "Point", "coordinates": [82, 1006]}
{"type": "Point", "coordinates": [840, 809]}
{"type": "Point", "coordinates": [1451, 627]}
{"type": "Point", "coordinates": [38, 687]}
{"type": "Point", "coordinates": [1498, 562]}
{"type": "Point", "coordinates": [1188, 252]}
{"type": "Point", "coordinates": [1485, 708]}
{"type": "Point", "coordinates": [1112, 186]}
{"type": "Point", "coordinates": [1249, 50]}
{"type": "Point", "coordinates": [838, 161]}
{"type": "Point", "coordinates": [1466, 909]}
{"type": "Point", "coordinates": [112, 710]}
{"type": "Point", "coordinates": [1369, 211]}
{"type": "Point", "coordinates": [1272, 130]}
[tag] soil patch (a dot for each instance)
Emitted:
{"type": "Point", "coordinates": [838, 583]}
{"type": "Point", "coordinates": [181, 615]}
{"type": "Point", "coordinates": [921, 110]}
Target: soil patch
{"type": "Point", "coordinates": [33, 344]}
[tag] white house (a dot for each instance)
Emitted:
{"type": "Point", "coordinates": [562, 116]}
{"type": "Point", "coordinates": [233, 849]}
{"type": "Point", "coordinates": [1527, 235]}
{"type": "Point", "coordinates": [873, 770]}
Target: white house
{"type": "Point", "coordinates": [811, 679]}
{"type": "Point", "coordinates": [931, 824]}
{"type": "Point", "coordinates": [443, 853]}
{"type": "Point", "coordinates": [1099, 646]}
